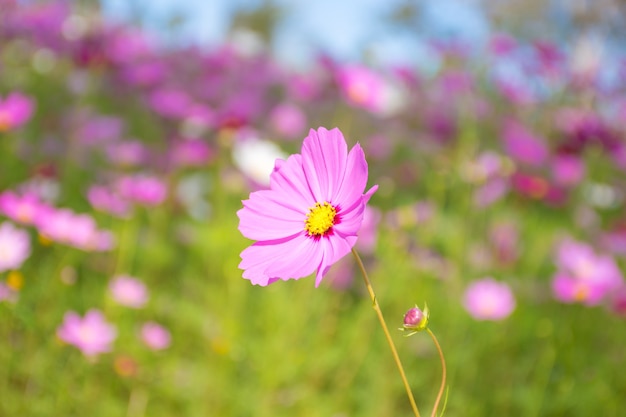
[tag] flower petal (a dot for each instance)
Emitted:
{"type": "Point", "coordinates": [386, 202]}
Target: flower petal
{"type": "Point", "coordinates": [292, 258]}
{"type": "Point", "coordinates": [268, 216]}
{"type": "Point", "coordinates": [324, 162]}
{"type": "Point", "coordinates": [355, 178]}
{"type": "Point", "coordinates": [288, 179]}
{"type": "Point", "coordinates": [334, 248]}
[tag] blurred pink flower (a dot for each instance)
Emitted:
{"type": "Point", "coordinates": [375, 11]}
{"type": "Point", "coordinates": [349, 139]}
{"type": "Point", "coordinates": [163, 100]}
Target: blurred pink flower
{"type": "Point", "coordinates": [488, 299]}
{"type": "Point", "coordinates": [170, 102]}
{"type": "Point", "coordinates": [368, 234]}
{"type": "Point", "coordinates": [567, 170]}
{"type": "Point", "coordinates": [25, 209]}
{"type": "Point", "coordinates": [523, 145]}
{"type": "Point", "coordinates": [103, 199]}
{"type": "Point", "coordinates": [91, 334]}
{"type": "Point", "coordinates": [15, 110]}
{"type": "Point", "coordinates": [155, 336]}
{"type": "Point", "coordinates": [310, 216]}
{"type": "Point", "coordinates": [127, 153]}
{"type": "Point", "coordinates": [142, 189]}
{"type": "Point", "coordinates": [14, 247]}
{"type": "Point", "coordinates": [502, 44]}
{"type": "Point", "coordinates": [128, 291]}
{"type": "Point", "coordinates": [190, 153]}
{"type": "Point", "coordinates": [584, 276]}
{"type": "Point", "coordinates": [77, 230]}
{"type": "Point", "coordinates": [361, 87]}
{"type": "Point", "coordinates": [288, 120]}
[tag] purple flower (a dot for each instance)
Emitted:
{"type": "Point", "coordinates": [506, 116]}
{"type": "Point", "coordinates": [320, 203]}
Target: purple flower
{"type": "Point", "coordinates": [584, 276]}
{"type": "Point", "coordinates": [310, 216]}
{"type": "Point", "coordinates": [155, 336]}
{"type": "Point", "coordinates": [522, 145]}
{"type": "Point", "coordinates": [25, 209]}
{"type": "Point", "coordinates": [488, 299]}
{"type": "Point", "coordinates": [567, 170]}
{"type": "Point", "coordinates": [288, 120]}
{"type": "Point", "coordinates": [128, 291]}
{"type": "Point", "coordinates": [15, 110]}
{"type": "Point", "coordinates": [142, 189]}
{"type": "Point", "coordinates": [91, 334]}
{"type": "Point", "coordinates": [14, 247]}
{"type": "Point", "coordinates": [103, 199]}
{"type": "Point", "coordinates": [77, 230]}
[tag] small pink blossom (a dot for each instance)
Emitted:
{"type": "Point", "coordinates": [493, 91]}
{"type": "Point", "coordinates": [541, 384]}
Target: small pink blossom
{"type": "Point", "coordinates": [488, 299]}
{"type": "Point", "coordinates": [155, 336]}
{"type": "Point", "coordinates": [142, 189]}
{"type": "Point", "coordinates": [191, 153]}
{"type": "Point", "coordinates": [92, 334]}
{"type": "Point", "coordinates": [77, 230]}
{"type": "Point", "coordinates": [288, 120]}
{"type": "Point", "coordinates": [15, 110]}
{"type": "Point", "coordinates": [568, 170]}
{"type": "Point", "coordinates": [14, 247]}
{"type": "Point", "coordinates": [523, 145]}
{"type": "Point", "coordinates": [128, 291]}
{"type": "Point", "coordinates": [583, 275]}
{"type": "Point", "coordinates": [25, 209]}
{"type": "Point", "coordinates": [103, 199]}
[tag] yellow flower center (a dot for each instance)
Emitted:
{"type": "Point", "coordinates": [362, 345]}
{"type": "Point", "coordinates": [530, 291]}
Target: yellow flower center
{"type": "Point", "coordinates": [320, 219]}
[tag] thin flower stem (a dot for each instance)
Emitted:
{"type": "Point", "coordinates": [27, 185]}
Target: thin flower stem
{"type": "Point", "coordinates": [379, 313]}
{"type": "Point", "coordinates": [443, 373]}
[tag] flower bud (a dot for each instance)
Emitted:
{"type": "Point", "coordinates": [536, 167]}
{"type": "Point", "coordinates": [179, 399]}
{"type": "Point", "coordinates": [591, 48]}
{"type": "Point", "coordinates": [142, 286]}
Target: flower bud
{"type": "Point", "coordinates": [415, 320]}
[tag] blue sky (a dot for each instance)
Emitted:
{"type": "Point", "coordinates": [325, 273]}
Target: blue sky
{"type": "Point", "coordinates": [343, 28]}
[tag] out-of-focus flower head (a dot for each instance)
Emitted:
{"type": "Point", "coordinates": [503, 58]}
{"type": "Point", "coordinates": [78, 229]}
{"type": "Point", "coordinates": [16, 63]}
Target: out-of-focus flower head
{"type": "Point", "coordinates": [104, 199]}
{"type": "Point", "coordinates": [583, 275]}
{"type": "Point", "coordinates": [288, 120]}
{"type": "Point", "coordinates": [363, 87]}
{"type": "Point", "coordinates": [77, 230]}
{"type": "Point", "coordinates": [522, 145]}
{"type": "Point", "coordinates": [142, 189]}
{"type": "Point", "coordinates": [91, 334]}
{"type": "Point", "coordinates": [128, 153]}
{"type": "Point", "coordinates": [190, 153]}
{"type": "Point", "coordinates": [14, 246]}
{"type": "Point", "coordinates": [15, 110]}
{"type": "Point", "coordinates": [155, 336]}
{"type": "Point", "coordinates": [26, 208]}
{"type": "Point", "coordinates": [256, 157]}
{"type": "Point", "coordinates": [567, 170]}
{"type": "Point", "coordinates": [128, 291]}
{"type": "Point", "coordinates": [488, 299]}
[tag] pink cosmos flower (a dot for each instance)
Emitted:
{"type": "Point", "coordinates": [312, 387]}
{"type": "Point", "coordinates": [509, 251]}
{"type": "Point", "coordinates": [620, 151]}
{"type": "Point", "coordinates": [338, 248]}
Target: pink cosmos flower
{"type": "Point", "coordinates": [142, 189]}
{"type": "Point", "coordinates": [129, 291]}
{"type": "Point", "coordinates": [288, 120]}
{"type": "Point", "coordinates": [522, 145]}
{"type": "Point", "coordinates": [103, 199]}
{"type": "Point", "coordinates": [584, 276]}
{"type": "Point", "coordinates": [91, 334]}
{"type": "Point", "coordinates": [488, 299]}
{"type": "Point", "coordinates": [155, 336]}
{"type": "Point", "coordinates": [15, 110]}
{"type": "Point", "coordinates": [25, 209]}
{"type": "Point", "coordinates": [77, 230]}
{"type": "Point", "coordinates": [568, 170]}
{"type": "Point", "coordinates": [14, 247]}
{"type": "Point", "coordinates": [310, 216]}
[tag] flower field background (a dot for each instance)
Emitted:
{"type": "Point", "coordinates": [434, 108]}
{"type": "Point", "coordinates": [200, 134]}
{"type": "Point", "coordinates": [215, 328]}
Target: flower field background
{"type": "Point", "coordinates": [500, 204]}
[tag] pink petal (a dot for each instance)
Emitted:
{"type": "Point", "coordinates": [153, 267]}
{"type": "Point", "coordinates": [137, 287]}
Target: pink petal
{"type": "Point", "coordinates": [295, 257]}
{"type": "Point", "coordinates": [288, 179]}
{"type": "Point", "coordinates": [334, 248]}
{"type": "Point", "coordinates": [324, 162]}
{"type": "Point", "coordinates": [355, 178]}
{"type": "Point", "coordinates": [264, 217]}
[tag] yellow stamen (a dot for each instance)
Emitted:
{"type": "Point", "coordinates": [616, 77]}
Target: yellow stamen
{"type": "Point", "coordinates": [320, 219]}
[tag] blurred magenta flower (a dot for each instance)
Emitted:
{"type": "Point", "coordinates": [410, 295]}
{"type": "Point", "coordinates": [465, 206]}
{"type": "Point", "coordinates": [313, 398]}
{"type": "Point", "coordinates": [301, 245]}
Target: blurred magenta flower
{"type": "Point", "coordinates": [77, 230]}
{"type": "Point", "coordinates": [584, 276]}
{"type": "Point", "coordinates": [15, 110]}
{"type": "Point", "coordinates": [522, 145]}
{"type": "Point", "coordinates": [91, 334]}
{"type": "Point", "coordinates": [288, 120]}
{"type": "Point", "coordinates": [14, 246]}
{"type": "Point", "coordinates": [142, 189]}
{"type": "Point", "coordinates": [104, 199]}
{"type": "Point", "coordinates": [128, 291]}
{"type": "Point", "coordinates": [26, 208]}
{"type": "Point", "coordinates": [488, 299]}
{"type": "Point", "coordinates": [127, 153]}
{"type": "Point", "coordinates": [415, 320]}
{"type": "Point", "coordinates": [155, 336]}
{"type": "Point", "coordinates": [190, 153]}
{"type": "Point", "coordinates": [310, 216]}
{"type": "Point", "coordinates": [567, 170]}
{"type": "Point", "coordinates": [362, 87]}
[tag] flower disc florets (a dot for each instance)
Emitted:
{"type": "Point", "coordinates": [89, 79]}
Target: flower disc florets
{"type": "Point", "coordinates": [320, 220]}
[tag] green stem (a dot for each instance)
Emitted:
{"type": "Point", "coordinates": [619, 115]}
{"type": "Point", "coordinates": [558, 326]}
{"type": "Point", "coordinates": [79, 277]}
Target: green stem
{"type": "Point", "coordinates": [379, 313]}
{"type": "Point", "coordinates": [443, 373]}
